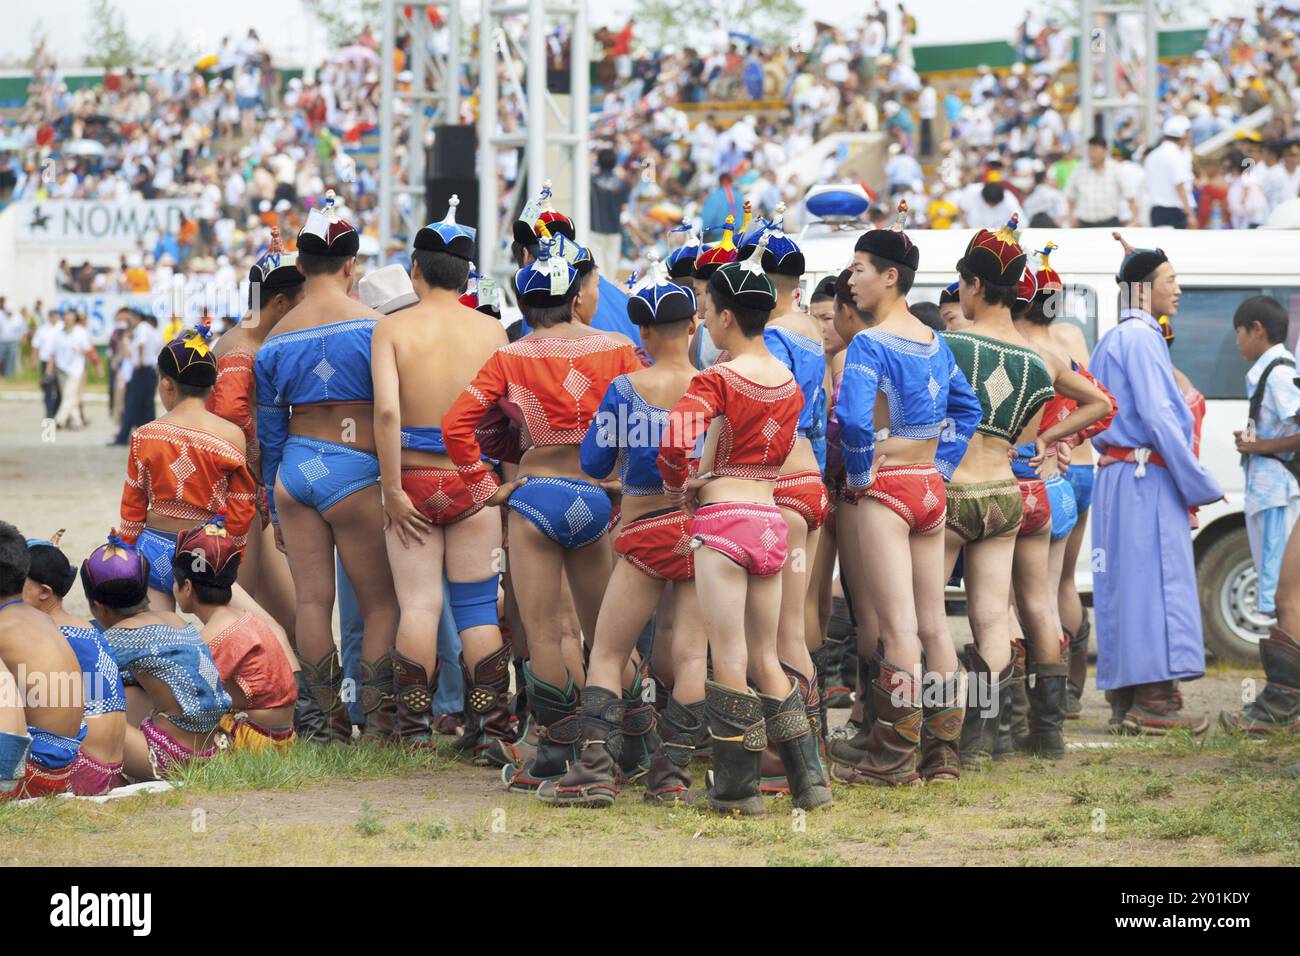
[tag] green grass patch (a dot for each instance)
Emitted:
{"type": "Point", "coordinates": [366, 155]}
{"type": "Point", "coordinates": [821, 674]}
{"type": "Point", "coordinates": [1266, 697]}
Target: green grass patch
{"type": "Point", "coordinates": [304, 764]}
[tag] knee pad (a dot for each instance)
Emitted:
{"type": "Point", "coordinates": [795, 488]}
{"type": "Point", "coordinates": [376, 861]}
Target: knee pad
{"type": "Point", "coordinates": [473, 603]}
{"type": "Point", "coordinates": [13, 758]}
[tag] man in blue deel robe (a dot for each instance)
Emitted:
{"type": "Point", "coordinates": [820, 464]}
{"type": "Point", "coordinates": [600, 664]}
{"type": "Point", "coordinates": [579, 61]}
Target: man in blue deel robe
{"type": "Point", "coordinates": [1144, 574]}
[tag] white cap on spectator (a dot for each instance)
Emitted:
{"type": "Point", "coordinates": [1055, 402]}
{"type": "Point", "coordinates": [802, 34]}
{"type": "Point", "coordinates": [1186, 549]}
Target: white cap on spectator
{"type": "Point", "coordinates": [387, 290]}
{"type": "Point", "coordinates": [891, 107]}
{"type": "Point", "coordinates": [1176, 126]}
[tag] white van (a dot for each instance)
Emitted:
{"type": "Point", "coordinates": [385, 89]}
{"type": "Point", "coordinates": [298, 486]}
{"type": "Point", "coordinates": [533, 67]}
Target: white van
{"type": "Point", "coordinates": [1216, 271]}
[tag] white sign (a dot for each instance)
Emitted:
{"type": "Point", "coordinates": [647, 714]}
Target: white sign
{"type": "Point", "coordinates": [90, 222]}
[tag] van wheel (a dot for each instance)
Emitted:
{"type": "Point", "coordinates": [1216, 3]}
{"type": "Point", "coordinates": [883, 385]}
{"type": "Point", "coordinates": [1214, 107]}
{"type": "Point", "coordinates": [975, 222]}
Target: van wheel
{"type": "Point", "coordinates": [1228, 588]}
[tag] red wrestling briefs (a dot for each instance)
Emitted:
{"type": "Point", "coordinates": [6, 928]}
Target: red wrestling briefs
{"type": "Point", "coordinates": [40, 782]}
{"type": "Point", "coordinates": [751, 534]}
{"type": "Point", "coordinates": [1038, 506]}
{"type": "Point", "coordinates": [916, 493]}
{"type": "Point", "coordinates": [439, 494]}
{"type": "Point", "coordinates": [658, 545]}
{"type": "Point", "coordinates": [804, 493]}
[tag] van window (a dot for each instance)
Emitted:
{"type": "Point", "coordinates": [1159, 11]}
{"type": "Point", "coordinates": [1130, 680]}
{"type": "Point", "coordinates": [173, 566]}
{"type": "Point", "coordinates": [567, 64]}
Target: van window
{"type": "Point", "coordinates": [1205, 348]}
{"type": "Point", "coordinates": [1080, 307]}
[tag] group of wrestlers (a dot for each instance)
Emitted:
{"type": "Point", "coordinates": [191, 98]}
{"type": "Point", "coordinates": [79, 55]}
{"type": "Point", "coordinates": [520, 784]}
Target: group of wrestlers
{"type": "Point", "coordinates": [642, 530]}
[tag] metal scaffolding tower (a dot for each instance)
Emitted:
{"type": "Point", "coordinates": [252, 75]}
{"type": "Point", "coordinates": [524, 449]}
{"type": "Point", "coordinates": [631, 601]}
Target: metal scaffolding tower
{"type": "Point", "coordinates": [1099, 42]}
{"type": "Point", "coordinates": [549, 133]}
{"type": "Point", "coordinates": [433, 95]}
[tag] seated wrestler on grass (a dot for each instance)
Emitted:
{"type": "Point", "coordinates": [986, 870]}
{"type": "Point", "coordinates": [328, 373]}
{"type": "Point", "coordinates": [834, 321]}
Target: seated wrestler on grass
{"type": "Point", "coordinates": [98, 768]}
{"type": "Point", "coordinates": [174, 698]}
{"type": "Point", "coordinates": [254, 669]}
{"type": "Point", "coordinates": [15, 742]}
{"type": "Point", "coordinates": [46, 685]}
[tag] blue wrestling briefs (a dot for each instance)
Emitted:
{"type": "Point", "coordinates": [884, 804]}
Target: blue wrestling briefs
{"type": "Point", "coordinates": [1081, 478]}
{"type": "Point", "coordinates": [159, 547]}
{"type": "Point", "coordinates": [1060, 494]}
{"type": "Point", "coordinates": [570, 512]}
{"type": "Point", "coordinates": [320, 474]}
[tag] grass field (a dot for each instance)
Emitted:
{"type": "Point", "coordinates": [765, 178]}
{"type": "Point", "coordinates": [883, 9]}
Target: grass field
{"type": "Point", "coordinates": [1175, 801]}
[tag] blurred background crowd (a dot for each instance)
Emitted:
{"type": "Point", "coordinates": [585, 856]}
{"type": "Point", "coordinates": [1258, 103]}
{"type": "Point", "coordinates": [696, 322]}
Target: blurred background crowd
{"type": "Point", "coordinates": [679, 132]}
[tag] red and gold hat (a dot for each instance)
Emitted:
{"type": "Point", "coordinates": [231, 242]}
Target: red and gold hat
{"type": "Point", "coordinates": [1026, 289]}
{"type": "Point", "coordinates": [996, 257]}
{"type": "Point", "coordinates": [528, 231]}
{"type": "Point", "coordinates": [208, 554]}
{"type": "Point", "coordinates": [712, 259]}
{"type": "Point", "coordinates": [325, 234]}
{"type": "Point", "coordinates": [1049, 280]}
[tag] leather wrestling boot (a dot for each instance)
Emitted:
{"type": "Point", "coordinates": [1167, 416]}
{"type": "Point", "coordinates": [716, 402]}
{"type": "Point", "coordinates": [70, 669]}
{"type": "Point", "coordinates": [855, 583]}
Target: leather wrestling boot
{"type": "Point", "coordinates": [739, 737]}
{"type": "Point", "coordinates": [1045, 688]}
{"type": "Point", "coordinates": [377, 699]}
{"type": "Point", "coordinates": [786, 722]}
{"type": "Point", "coordinates": [1078, 668]}
{"type": "Point", "coordinates": [829, 661]}
{"type": "Point", "coordinates": [890, 757]}
{"type": "Point", "coordinates": [309, 721]}
{"type": "Point", "coordinates": [703, 752]}
{"type": "Point", "coordinates": [1157, 709]}
{"type": "Point", "coordinates": [772, 776]}
{"type": "Point", "coordinates": [555, 716]}
{"type": "Point", "coordinates": [811, 690]}
{"type": "Point", "coordinates": [640, 736]}
{"type": "Point", "coordinates": [486, 740]}
{"type": "Point", "coordinates": [413, 692]}
{"type": "Point", "coordinates": [984, 707]}
{"type": "Point", "coordinates": [1120, 700]}
{"type": "Point", "coordinates": [1013, 722]}
{"type": "Point", "coordinates": [1277, 707]}
{"type": "Point", "coordinates": [849, 751]}
{"type": "Point", "coordinates": [324, 680]}
{"type": "Point", "coordinates": [589, 781]}
{"type": "Point", "coordinates": [943, 707]}
{"type": "Point", "coordinates": [669, 779]}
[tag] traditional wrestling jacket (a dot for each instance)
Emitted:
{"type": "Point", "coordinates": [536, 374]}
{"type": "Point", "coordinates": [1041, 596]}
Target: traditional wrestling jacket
{"type": "Point", "coordinates": [100, 678]}
{"type": "Point", "coordinates": [248, 655]}
{"type": "Point", "coordinates": [806, 360]}
{"type": "Point", "coordinates": [626, 432]}
{"type": "Point", "coordinates": [928, 397]}
{"type": "Point", "coordinates": [233, 398]}
{"type": "Point", "coordinates": [327, 364]}
{"type": "Point", "coordinates": [759, 425]}
{"type": "Point", "coordinates": [544, 390]}
{"type": "Point", "coordinates": [177, 657]}
{"type": "Point", "coordinates": [1056, 410]}
{"type": "Point", "coordinates": [1011, 381]}
{"type": "Point", "coordinates": [188, 474]}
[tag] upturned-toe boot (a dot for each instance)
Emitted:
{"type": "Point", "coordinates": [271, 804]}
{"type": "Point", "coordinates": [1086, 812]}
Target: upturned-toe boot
{"type": "Point", "coordinates": [890, 756]}
{"type": "Point", "coordinates": [787, 724]}
{"type": "Point", "coordinates": [589, 781]}
{"type": "Point", "coordinates": [1277, 707]}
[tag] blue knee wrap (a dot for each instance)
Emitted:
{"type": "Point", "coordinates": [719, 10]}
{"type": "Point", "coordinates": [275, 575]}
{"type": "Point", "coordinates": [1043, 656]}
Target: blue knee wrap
{"type": "Point", "coordinates": [13, 758]}
{"type": "Point", "coordinates": [474, 603]}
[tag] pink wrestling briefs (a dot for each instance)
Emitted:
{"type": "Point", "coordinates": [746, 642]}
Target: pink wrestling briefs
{"type": "Point", "coordinates": [751, 534]}
{"type": "Point", "coordinates": [166, 752]}
{"type": "Point", "coordinates": [91, 778]}
{"type": "Point", "coordinates": [1038, 506]}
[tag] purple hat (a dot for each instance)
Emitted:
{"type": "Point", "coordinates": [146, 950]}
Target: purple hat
{"type": "Point", "coordinates": [116, 574]}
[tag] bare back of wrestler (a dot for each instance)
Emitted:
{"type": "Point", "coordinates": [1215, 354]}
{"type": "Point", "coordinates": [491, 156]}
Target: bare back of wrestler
{"type": "Point", "coordinates": [42, 662]}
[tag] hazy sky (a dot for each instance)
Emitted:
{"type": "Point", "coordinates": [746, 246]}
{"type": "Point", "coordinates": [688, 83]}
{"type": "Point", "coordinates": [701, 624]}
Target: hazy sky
{"type": "Point", "coordinates": [291, 33]}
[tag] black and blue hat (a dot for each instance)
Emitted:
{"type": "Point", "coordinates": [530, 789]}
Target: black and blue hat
{"type": "Point", "coordinates": [951, 293]}
{"type": "Point", "coordinates": [551, 279]}
{"type": "Point", "coordinates": [681, 261]}
{"type": "Point", "coordinates": [782, 256]}
{"type": "Point", "coordinates": [656, 301]}
{"type": "Point", "coordinates": [448, 235]}
{"type": "Point", "coordinates": [891, 244]}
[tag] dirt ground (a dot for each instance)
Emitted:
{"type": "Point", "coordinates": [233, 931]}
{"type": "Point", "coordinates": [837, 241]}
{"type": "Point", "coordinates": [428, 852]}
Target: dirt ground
{"type": "Point", "coordinates": [1124, 801]}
